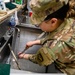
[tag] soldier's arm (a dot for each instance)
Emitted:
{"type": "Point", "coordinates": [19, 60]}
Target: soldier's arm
{"type": "Point", "coordinates": [46, 55]}
{"type": "Point", "coordinates": [36, 42]}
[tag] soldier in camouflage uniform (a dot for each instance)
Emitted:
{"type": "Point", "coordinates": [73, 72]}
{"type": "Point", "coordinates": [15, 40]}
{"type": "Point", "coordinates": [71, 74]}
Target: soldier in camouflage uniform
{"type": "Point", "coordinates": [59, 44]}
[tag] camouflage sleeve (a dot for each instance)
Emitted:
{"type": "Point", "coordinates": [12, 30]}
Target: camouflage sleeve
{"type": "Point", "coordinates": [71, 42]}
{"type": "Point", "coordinates": [61, 50]}
{"type": "Point", "coordinates": [47, 55]}
{"type": "Point", "coordinates": [43, 40]}
{"type": "Point", "coordinates": [43, 57]}
{"type": "Point", "coordinates": [64, 50]}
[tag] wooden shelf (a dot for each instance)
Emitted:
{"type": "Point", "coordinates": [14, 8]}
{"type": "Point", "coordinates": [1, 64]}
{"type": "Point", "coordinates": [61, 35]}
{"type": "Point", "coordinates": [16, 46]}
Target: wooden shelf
{"type": "Point", "coordinates": [10, 12]}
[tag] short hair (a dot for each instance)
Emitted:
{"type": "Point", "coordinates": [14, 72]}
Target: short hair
{"type": "Point", "coordinates": [59, 14]}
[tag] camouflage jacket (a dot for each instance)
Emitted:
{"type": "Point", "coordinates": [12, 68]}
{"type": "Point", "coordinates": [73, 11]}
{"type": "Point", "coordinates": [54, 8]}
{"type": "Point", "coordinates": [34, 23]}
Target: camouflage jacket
{"type": "Point", "coordinates": [61, 46]}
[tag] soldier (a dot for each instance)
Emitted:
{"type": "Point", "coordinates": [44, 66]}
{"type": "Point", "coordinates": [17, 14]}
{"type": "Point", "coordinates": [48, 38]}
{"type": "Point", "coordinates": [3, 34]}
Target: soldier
{"type": "Point", "coordinates": [56, 18]}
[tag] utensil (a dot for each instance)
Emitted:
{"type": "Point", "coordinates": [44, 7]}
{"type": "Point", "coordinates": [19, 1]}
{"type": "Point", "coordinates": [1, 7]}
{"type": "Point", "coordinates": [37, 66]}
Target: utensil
{"type": "Point", "coordinates": [35, 39]}
{"type": "Point", "coordinates": [14, 56]}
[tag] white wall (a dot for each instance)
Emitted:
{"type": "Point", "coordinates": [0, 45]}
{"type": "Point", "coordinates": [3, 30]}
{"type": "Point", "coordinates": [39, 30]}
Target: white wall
{"type": "Point", "coordinates": [6, 0]}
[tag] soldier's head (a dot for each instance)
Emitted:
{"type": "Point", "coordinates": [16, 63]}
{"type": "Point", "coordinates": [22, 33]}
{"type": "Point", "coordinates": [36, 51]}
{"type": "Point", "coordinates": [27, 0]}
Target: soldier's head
{"type": "Point", "coordinates": [48, 14]}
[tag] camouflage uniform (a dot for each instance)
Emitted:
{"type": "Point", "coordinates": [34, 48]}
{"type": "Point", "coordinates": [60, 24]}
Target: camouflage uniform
{"type": "Point", "coordinates": [58, 46]}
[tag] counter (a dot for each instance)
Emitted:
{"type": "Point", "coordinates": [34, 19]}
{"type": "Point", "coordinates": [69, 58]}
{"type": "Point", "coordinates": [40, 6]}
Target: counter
{"type": "Point", "coordinates": [10, 12]}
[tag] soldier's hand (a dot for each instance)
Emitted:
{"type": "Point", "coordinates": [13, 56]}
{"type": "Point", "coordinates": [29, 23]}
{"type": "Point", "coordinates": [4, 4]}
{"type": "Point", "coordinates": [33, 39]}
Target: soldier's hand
{"type": "Point", "coordinates": [23, 55]}
{"type": "Point", "coordinates": [29, 44]}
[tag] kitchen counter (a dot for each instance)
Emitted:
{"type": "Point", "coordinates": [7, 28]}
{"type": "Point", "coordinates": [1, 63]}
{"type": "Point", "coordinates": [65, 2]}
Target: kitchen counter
{"type": "Point", "coordinates": [10, 12]}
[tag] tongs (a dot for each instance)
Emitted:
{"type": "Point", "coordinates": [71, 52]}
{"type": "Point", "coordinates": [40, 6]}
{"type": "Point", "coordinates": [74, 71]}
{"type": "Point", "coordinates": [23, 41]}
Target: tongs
{"type": "Point", "coordinates": [14, 56]}
{"type": "Point", "coordinates": [23, 50]}
{"type": "Point", "coordinates": [35, 39]}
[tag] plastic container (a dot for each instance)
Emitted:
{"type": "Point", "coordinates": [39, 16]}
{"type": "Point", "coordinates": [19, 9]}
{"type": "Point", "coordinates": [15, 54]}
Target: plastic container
{"type": "Point", "coordinates": [2, 5]}
{"type": "Point", "coordinates": [12, 21]}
